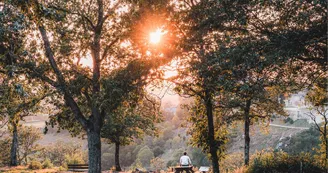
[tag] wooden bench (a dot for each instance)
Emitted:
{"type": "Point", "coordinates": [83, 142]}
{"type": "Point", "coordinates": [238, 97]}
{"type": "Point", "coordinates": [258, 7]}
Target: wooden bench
{"type": "Point", "coordinates": [78, 167]}
{"type": "Point", "coordinates": [180, 169]}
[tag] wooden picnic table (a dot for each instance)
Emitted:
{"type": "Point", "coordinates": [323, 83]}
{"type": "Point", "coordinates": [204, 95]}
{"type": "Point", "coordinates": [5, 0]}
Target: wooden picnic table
{"type": "Point", "coordinates": [180, 169]}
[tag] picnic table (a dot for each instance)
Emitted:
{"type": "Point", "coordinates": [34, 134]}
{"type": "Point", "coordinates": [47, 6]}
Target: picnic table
{"type": "Point", "coordinates": [179, 169]}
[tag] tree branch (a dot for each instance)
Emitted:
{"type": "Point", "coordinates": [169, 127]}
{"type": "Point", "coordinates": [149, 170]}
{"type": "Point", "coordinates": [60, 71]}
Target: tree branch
{"type": "Point", "coordinates": [75, 13]}
{"type": "Point", "coordinates": [67, 96]}
{"type": "Point", "coordinates": [107, 49]}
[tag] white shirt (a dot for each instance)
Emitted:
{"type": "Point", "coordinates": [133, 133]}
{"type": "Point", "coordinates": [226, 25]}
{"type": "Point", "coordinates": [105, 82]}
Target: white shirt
{"type": "Point", "coordinates": [185, 160]}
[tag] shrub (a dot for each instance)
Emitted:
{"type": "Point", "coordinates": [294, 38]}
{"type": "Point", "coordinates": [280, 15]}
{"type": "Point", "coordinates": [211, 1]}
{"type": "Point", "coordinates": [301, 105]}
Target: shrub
{"type": "Point", "coordinates": [47, 164]}
{"type": "Point", "coordinates": [157, 164]}
{"type": "Point", "coordinates": [35, 165]}
{"type": "Point", "coordinates": [58, 152]}
{"type": "Point", "coordinates": [305, 141]}
{"type": "Point", "coordinates": [5, 145]}
{"type": "Point", "coordinates": [232, 162]}
{"type": "Point", "coordinates": [74, 159]}
{"type": "Point", "coordinates": [61, 168]}
{"type": "Point", "coordinates": [289, 120]}
{"type": "Point", "coordinates": [282, 162]}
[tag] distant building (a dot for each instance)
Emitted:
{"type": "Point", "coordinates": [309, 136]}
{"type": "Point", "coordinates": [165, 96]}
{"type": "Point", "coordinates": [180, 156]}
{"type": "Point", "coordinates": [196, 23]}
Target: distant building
{"type": "Point", "coordinates": [297, 108]}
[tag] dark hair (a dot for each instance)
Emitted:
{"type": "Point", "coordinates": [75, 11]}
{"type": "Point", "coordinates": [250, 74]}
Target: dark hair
{"type": "Point", "coordinates": [185, 153]}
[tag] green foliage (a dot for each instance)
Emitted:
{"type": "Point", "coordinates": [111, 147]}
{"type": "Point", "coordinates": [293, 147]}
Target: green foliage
{"type": "Point", "coordinates": [158, 151]}
{"type": "Point", "coordinates": [318, 97]}
{"type": "Point", "coordinates": [232, 162]}
{"type": "Point", "coordinates": [157, 164]}
{"type": "Point", "coordinates": [137, 165]}
{"type": "Point", "coordinates": [171, 163]}
{"type": "Point", "coordinates": [34, 165]}
{"type": "Point", "coordinates": [306, 141]}
{"type": "Point", "coordinates": [74, 159]}
{"type": "Point", "coordinates": [289, 120]}
{"type": "Point", "coordinates": [28, 137]}
{"type": "Point", "coordinates": [62, 168]}
{"type": "Point", "coordinates": [199, 134]}
{"type": "Point", "coordinates": [108, 160]}
{"type": "Point", "coordinates": [5, 151]}
{"type": "Point", "coordinates": [59, 152]}
{"type": "Point", "coordinates": [47, 164]}
{"type": "Point", "coordinates": [282, 162]}
{"type": "Point", "coordinates": [136, 117]}
{"type": "Point", "coordinates": [86, 95]}
{"type": "Point", "coordinates": [198, 158]}
{"type": "Point", "coordinates": [145, 155]}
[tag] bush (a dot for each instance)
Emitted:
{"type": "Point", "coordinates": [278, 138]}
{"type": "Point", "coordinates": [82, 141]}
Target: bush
{"type": "Point", "coordinates": [74, 159]}
{"type": "Point", "coordinates": [5, 145]}
{"type": "Point", "coordinates": [282, 162]}
{"type": "Point", "coordinates": [306, 141]}
{"type": "Point", "coordinates": [232, 162]}
{"type": "Point", "coordinates": [47, 164]}
{"type": "Point", "coordinates": [35, 165]}
{"type": "Point", "coordinates": [59, 151]}
{"type": "Point", "coordinates": [289, 120]}
{"type": "Point", "coordinates": [62, 168]}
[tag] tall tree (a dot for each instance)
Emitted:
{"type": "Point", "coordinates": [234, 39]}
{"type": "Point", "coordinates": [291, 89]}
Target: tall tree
{"type": "Point", "coordinates": [252, 47]}
{"type": "Point", "coordinates": [18, 93]}
{"type": "Point", "coordinates": [204, 26]}
{"type": "Point", "coordinates": [252, 90]}
{"type": "Point", "coordinates": [18, 101]}
{"type": "Point", "coordinates": [98, 31]}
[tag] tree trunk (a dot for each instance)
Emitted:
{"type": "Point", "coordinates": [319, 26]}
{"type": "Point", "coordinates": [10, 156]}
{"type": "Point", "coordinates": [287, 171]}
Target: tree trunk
{"type": "Point", "coordinates": [94, 147]}
{"type": "Point", "coordinates": [212, 144]}
{"type": "Point", "coordinates": [247, 138]}
{"type": "Point", "coordinates": [117, 157]}
{"type": "Point", "coordinates": [326, 161]}
{"type": "Point", "coordinates": [326, 147]}
{"type": "Point", "coordinates": [25, 156]}
{"type": "Point", "coordinates": [14, 146]}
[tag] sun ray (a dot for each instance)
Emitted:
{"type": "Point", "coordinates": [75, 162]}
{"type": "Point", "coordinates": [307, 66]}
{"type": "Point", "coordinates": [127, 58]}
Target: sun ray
{"type": "Point", "coordinates": [156, 36]}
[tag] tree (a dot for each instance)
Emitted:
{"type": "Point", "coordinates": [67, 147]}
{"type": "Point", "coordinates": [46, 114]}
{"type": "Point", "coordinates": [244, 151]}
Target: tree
{"type": "Point", "coordinates": [76, 30]}
{"type": "Point", "coordinates": [306, 141]}
{"type": "Point", "coordinates": [19, 95]}
{"type": "Point", "coordinates": [204, 26]}
{"type": "Point", "coordinates": [18, 100]}
{"type": "Point", "coordinates": [250, 91]}
{"type": "Point", "coordinates": [317, 96]}
{"type": "Point", "coordinates": [145, 155]}
{"type": "Point", "coordinates": [132, 120]}
{"type": "Point", "coordinates": [27, 142]}
{"type": "Point", "coordinates": [247, 34]}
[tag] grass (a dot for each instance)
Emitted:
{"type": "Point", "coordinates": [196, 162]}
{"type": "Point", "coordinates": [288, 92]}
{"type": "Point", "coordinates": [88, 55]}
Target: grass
{"type": "Point", "coordinates": [24, 169]}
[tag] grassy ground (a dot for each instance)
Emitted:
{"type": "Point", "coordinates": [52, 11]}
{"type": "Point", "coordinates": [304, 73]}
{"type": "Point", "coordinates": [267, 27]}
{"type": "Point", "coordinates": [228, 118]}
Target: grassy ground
{"type": "Point", "coordinates": [24, 169]}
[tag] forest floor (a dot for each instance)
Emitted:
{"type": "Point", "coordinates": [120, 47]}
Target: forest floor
{"type": "Point", "coordinates": [21, 169]}
{"type": "Point", "coordinates": [25, 169]}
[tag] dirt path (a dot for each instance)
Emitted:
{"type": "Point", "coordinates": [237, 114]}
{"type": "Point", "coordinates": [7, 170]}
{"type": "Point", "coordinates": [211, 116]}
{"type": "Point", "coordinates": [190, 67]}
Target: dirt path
{"type": "Point", "coordinates": [289, 127]}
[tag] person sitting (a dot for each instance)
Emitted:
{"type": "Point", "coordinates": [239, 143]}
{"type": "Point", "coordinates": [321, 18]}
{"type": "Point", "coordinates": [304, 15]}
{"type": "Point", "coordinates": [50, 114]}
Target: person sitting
{"type": "Point", "coordinates": [185, 164]}
{"type": "Point", "coordinates": [185, 160]}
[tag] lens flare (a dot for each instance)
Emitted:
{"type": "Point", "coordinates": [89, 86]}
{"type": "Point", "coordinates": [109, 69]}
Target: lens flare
{"type": "Point", "coordinates": [155, 37]}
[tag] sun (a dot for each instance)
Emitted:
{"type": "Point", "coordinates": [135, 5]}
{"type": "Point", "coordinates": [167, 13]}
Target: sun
{"type": "Point", "coordinates": [156, 36]}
